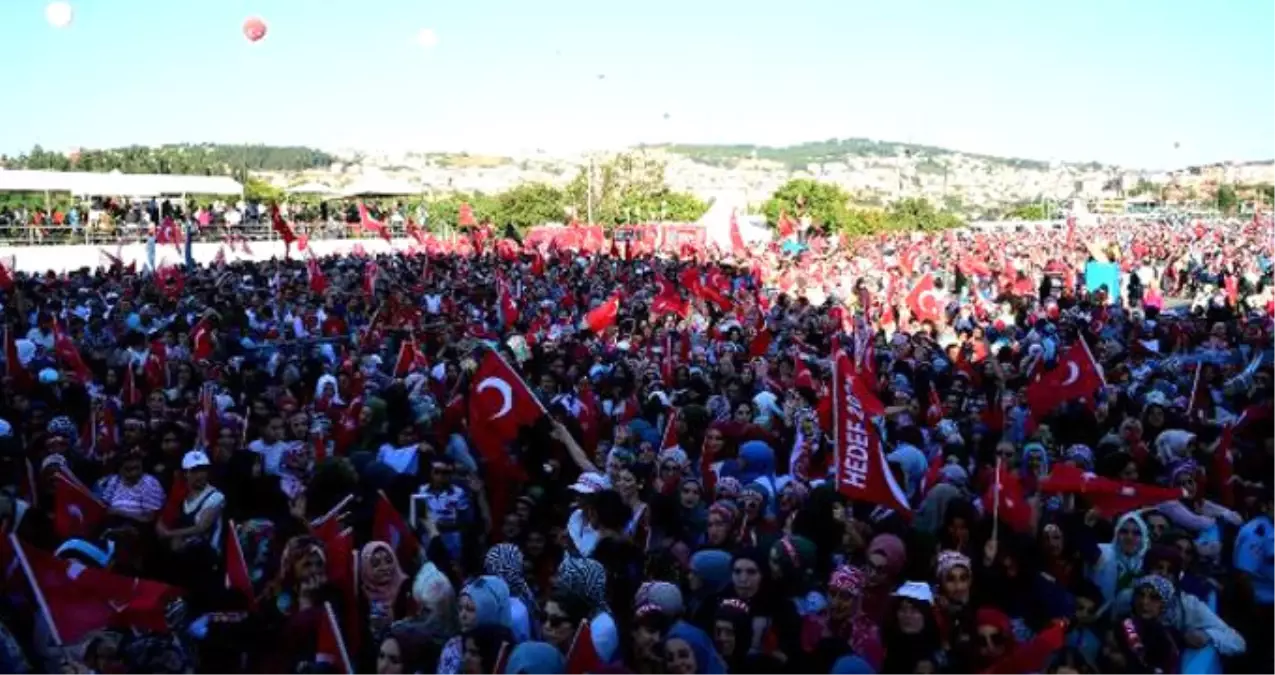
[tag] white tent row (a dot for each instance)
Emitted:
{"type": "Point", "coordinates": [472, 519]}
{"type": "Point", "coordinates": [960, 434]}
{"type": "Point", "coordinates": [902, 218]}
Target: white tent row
{"type": "Point", "coordinates": [116, 183]}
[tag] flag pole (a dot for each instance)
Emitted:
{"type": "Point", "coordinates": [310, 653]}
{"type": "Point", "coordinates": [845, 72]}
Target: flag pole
{"type": "Point", "coordinates": [996, 502]}
{"type": "Point", "coordinates": [35, 588]}
{"type": "Point", "coordinates": [340, 639]}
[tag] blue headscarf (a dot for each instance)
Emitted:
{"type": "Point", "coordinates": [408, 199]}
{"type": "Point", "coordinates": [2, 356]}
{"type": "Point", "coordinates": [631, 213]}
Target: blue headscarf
{"type": "Point", "coordinates": [851, 665]}
{"type": "Point", "coordinates": [712, 567]}
{"type": "Point", "coordinates": [535, 658]}
{"type": "Point", "coordinates": [490, 595]}
{"type": "Point", "coordinates": [758, 460]}
{"type": "Point", "coordinates": [706, 659]}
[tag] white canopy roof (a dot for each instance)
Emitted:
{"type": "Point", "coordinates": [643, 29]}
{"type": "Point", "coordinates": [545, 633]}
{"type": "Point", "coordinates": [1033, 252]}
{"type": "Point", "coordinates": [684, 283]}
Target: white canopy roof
{"type": "Point", "coordinates": [311, 188]}
{"type": "Point", "coordinates": [380, 186]}
{"type": "Point", "coordinates": [116, 184]}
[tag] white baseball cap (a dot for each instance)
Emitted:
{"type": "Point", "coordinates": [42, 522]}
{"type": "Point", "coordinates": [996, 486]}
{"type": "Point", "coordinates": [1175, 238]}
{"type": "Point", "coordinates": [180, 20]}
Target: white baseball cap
{"type": "Point", "coordinates": [589, 483]}
{"type": "Point", "coordinates": [194, 460]}
{"type": "Point", "coordinates": [916, 590]}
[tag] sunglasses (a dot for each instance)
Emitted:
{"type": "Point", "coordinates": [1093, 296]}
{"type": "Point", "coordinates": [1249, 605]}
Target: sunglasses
{"type": "Point", "coordinates": [554, 619]}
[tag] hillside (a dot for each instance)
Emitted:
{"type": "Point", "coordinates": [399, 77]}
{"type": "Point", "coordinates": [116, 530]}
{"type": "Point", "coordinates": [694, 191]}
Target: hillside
{"type": "Point", "coordinates": [831, 150]}
{"type": "Point", "coordinates": [188, 159]}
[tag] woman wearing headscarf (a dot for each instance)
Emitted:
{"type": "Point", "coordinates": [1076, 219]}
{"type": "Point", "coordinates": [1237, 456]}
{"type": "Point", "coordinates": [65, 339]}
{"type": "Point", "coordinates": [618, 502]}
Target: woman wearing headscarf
{"type": "Point", "coordinates": [709, 577]}
{"type": "Point", "coordinates": [647, 629]}
{"type": "Point", "coordinates": [953, 610]}
{"type": "Point", "coordinates": [794, 591]}
{"type": "Point", "coordinates": [688, 650]}
{"type": "Point", "coordinates": [1152, 596]}
{"type": "Point", "coordinates": [721, 525]}
{"type": "Point", "coordinates": [505, 561]}
{"type": "Point", "coordinates": [437, 621]}
{"type": "Point", "coordinates": [586, 580]}
{"type": "Point", "coordinates": [484, 602]}
{"type": "Point", "coordinates": [1120, 562]}
{"type": "Point", "coordinates": [845, 623]}
{"type": "Point", "coordinates": [482, 646]}
{"type": "Point", "coordinates": [535, 658]}
{"type": "Point", "coordinates": [886, 558]}
{"type": "Point", "coordinates": [733, 634]}
{"type": "Point", "coordinates": [384, 589]}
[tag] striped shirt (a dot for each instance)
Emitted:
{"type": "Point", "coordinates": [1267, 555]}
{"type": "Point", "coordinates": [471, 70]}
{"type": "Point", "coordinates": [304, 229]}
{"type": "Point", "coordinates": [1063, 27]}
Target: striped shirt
{"type": "Point", "coordinates": [142, 499]}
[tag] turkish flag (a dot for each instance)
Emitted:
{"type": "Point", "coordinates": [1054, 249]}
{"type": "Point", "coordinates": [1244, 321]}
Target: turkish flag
{"type": "Point", "coordinates": [79, 599]}
{"type": "Point", "coordinates": [500, 404]}
{"type": "Point", "coordinates": [1006, 494]}
{"type": "Point", "coordinates": [737, 246]}
{"type": "Point", "coordinates": [77, 513]}
{"type": "Point", "coordinates": [760, 343]}
{"type": "Point", "coordinates": [237, 576]}
{"type": "Point", "coordinates": [69, 355]}
{"type": "Point", "coordinates": [863, 473]}
{"type": "Point", "coordinates": [465, 215]}
{"type": "Point", "coordinates": [1075, 377]}
{"type": "Point", "coordinates": [409, 358]}
{"type": "Point", "coordinates": [1109, 497]}
{"type": "Point", "coordinates": [388, 526]}
{"type": "Point", "coordinates": [1033, 656]}
{"type": "Point", "coordinates": [173, 503]}
{"type": "Point", "coordinates": [923, 300]}
{"type": "Point", "coordinates": [318, 281]}
{"type": "Point", "coordinates": [282, 228]}
{"type": "Point", "coordinates": [669, 439]}
{"type": "Point", "coordinates": [202, 341]}
{"type": "Point", "coordinates": [603, 316]}
{"type": "Point", "coordinates": [668, 301]}
{"type": "Point", "coordinates": [508, 306]}
{"type": "Point", "coordinates": [330, 645]}
{"type": "Point", "coordinates": [368, 223]}
{"type": "Point", "coordinates": [583, 656]}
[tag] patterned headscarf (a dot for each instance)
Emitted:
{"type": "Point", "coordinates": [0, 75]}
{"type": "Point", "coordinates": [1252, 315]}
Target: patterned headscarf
{"type": "Point", "coordinates": [950, 560]}
{"type": "Point", "coordinates": [729, 487]}
{"type": "Point", "coordinates": [506, 561]}
{"type": "Point", "coordinates": [1080, 455]}
{"type": "Point", "coordinates": [1160, 585]}
{"type": "Point", "coordinates": [662, 594]}
{"type": "Point", "coordinates": [848, 578]}
{"type": "Point", "coordinates": [585, 579]}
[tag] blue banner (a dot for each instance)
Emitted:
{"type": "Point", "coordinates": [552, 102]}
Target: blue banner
{"type": "Point", "coordinates": [1099, 274]}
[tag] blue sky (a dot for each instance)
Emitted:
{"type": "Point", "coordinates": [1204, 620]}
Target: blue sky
{"type": "Point", "coordinates": [1114, 80]}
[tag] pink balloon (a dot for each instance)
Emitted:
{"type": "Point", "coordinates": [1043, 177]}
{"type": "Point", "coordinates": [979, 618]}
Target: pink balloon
{"type": "Point", "coordinates": [254, 29]}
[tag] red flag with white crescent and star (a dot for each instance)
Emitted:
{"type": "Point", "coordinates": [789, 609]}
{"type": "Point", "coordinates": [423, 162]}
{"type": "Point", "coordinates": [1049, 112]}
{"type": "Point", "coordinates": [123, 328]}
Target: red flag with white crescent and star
{"type": "Point", "coordinates": [500, 404]}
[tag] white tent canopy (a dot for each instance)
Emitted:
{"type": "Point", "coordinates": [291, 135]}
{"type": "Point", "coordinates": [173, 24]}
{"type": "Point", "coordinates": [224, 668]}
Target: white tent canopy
{"type": "Point", "coordinates": [380, 186]}
{"type": "Point", "coordinates": [311, 188]}
{"type": "Point", "coordinates": [716, 221]}
{"type": "Point", "coordinates": [116, 184]}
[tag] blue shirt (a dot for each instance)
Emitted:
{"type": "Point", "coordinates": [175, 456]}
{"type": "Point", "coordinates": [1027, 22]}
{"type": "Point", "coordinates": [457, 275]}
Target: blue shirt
{"type": "Point", "coordinates": [1255, 556]}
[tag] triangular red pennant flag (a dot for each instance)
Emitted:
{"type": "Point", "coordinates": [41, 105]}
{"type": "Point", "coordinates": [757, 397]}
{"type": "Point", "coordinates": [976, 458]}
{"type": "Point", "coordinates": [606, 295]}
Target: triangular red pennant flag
{"type": "Point", "coordinates": [330, 646]}
{"type": "Point", "coordinates": [388, 526]}
{"type": "Point", "coordinates": [583, 657]}
{"type": "Point", "coordinates": [237, 576]}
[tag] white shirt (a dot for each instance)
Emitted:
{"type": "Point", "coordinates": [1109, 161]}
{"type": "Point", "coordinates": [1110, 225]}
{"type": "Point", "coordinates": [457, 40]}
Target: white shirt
{"type": "Point", "coordinates": [271, 455]}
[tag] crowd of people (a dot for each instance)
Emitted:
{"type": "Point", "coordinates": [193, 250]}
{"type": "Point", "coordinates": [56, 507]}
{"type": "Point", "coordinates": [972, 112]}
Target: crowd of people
{"type": "Point", "coordinates": [490, 458]}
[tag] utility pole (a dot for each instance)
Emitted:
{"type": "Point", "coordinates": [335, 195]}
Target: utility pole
{"type": "Point", "coordinates": [589, 201]}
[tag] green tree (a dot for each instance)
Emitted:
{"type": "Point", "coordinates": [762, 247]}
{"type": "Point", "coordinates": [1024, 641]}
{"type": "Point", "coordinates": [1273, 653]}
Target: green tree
{"type": "Point", "coordinates": [914, 214]}
{"type": "Point", "coordinates": [629, 187]}
{"type": "Point", "coordinates": [1227, 199]}
{"type": "Point", "coordinates": [529, 204]}
{"type": "Point", "coordinates": [258, 190]}
{"type": "Point", "coordinates": [827, 205]}
{"type": "Point", "coordinates": [208, 159]}
{"type": "Point", "coordinates": [444, 210]}
{"type": "Point", "coordinates": [1028, 211]}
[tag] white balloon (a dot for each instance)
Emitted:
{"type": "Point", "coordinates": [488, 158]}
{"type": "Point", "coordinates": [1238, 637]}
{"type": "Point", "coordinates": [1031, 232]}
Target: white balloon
{"type": "Point", "coordinates": [59, 14]}
{"type": "Point", "coordinates": [427, 38]}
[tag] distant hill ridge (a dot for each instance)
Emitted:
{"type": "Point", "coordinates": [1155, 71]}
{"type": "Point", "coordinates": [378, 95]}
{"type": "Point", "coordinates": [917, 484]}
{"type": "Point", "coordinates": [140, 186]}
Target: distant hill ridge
{"type": "Point", "coordinates": [833, 150]}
